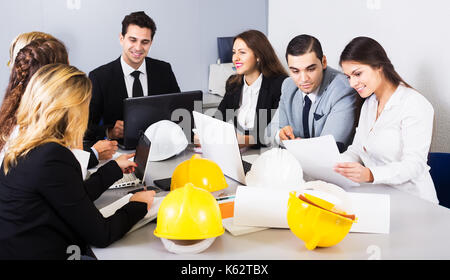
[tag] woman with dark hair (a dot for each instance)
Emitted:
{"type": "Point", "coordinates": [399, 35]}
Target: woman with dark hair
{"type": "Point", "coordinates": [28, 60]}
{"type": "Point", "coordinates": [393, 137]}
{"type": "Point", "coordinates": [29, 52]}
{"type": "Point", "coordinates": [255, 90]}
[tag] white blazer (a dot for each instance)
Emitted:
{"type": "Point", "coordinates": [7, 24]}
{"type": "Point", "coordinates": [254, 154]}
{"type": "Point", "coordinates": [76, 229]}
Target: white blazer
{"type": "Point", "coordinates": [395, 147]}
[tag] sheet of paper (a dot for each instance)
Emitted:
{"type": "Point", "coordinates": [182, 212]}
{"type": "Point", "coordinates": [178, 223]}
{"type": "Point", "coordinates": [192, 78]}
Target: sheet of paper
{"type": "Point", "coordinates": [237, 230]}
{"type": "Point", "coordinates": [265, 207]}
{"type": "Point", "coordinates": [250, 158]}
{"type": "Point", "coordinates": [317, 156]}
{"type": "Point", "coordinates": [150, 216]}
{"type": "Point", "coordinates": [83, 158]}
{"type": "Point", "coordinates": [373, 212]}
{"type": "Point", "coordinates": [261, 207]}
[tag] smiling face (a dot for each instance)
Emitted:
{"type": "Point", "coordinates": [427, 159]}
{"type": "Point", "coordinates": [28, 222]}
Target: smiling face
{"type": "Point", "coordinates": [244, 59]}
{"type": "Point", "coordinates": [306, 71]}
{"type": "Point", "coordinates": [363, 78]}
{"type": "Point", "coordinates": [135, 45]}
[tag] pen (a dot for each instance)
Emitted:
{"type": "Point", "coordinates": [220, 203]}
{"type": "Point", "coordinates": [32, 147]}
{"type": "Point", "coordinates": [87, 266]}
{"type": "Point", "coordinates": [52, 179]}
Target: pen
{"type": "Point", "coordinates": [225, 197]}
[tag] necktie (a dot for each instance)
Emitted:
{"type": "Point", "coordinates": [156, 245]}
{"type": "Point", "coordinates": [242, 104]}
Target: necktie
{"type": "Point", "coordinates": [137, 87]}
{"type": "Point", "coordinates": [306, 108]}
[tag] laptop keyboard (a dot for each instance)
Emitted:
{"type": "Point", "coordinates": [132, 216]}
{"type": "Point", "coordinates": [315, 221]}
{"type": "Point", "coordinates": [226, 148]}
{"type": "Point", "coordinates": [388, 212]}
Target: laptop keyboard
{"type": "Point", "coordinates": [128, 180]}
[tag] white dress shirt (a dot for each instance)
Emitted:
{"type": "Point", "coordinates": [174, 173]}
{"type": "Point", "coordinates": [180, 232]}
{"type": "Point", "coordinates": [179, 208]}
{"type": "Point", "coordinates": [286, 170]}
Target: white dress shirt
{"type": "Point", "coordinates": [395, 146]}
{"type": "Point", "coordinates": [249, 100]}
{"type": "Point", "coordinates": [129, 80]}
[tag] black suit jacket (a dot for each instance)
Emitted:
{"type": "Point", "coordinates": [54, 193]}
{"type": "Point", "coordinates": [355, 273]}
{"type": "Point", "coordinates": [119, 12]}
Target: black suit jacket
{"type": "Point", "coordinates": [268, 100]}
{"type": "Point", "coordinates": [45, 206]}
{"type": "Point", "coordinates": [109, 91]}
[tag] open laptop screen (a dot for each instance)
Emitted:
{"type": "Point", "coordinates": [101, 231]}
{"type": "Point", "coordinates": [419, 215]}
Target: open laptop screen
{"type": "Point", "coordinates": [141, 112]}
{"type": "Point", "coordinates": [141, 156]}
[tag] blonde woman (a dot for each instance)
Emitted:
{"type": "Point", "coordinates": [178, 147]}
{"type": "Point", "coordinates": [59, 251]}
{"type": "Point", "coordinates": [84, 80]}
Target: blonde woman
{"type": "Point", "coordinates": [45, 206]}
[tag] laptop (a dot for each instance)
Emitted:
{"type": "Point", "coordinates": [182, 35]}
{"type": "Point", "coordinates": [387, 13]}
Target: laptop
{"type": "Point", "coordinates": [141, 112]}
{"type": "Point", "coordinates": [141, 158]}
{"type": "Point", "coordinates": [219, 144]}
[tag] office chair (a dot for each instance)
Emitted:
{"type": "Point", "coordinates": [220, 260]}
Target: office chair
{"type": "Point", "coordinates": [440, 173]}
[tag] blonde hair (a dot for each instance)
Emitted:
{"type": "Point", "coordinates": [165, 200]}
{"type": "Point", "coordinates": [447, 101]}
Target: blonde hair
{"type": "Point", "coordinates": [54, 108]}
{"type": "Point", "coordinates": [21, 41]}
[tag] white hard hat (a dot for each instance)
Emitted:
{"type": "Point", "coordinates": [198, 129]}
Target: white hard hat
{"type": "Point", "coordinates": [276, 168]}
{"type": "Point", "coordinates": [331, 193]}
{"type": "Point", "coordinates": [167, 140]}
{"type": "Point", "coordinates": [187, 246]}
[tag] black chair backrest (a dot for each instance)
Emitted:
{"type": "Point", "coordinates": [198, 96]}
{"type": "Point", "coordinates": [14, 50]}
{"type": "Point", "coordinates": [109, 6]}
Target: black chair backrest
{"type": "Point", "coordinates": [440, 172]}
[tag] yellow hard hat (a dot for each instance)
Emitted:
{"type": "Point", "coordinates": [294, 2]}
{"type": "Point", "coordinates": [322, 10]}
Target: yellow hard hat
{"type": "Point", "coordinates": [201, 172]}
{"type": "Point", "coordinates": [312, 220]}
{"type": "Point", "coordinates": [189, 213]}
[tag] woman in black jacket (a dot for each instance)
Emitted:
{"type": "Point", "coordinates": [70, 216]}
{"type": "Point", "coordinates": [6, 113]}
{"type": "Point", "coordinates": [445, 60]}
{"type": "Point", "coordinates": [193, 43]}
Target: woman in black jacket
{"type": "Point", "coordinates": [253, 94]}
{"type": "Point", "coordinates": [45, 207]}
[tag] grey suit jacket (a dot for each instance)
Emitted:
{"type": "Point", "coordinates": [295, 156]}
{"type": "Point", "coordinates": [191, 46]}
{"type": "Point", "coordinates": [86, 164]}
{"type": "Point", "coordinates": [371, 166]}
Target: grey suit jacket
{"type": "Point", "coordinates": [335, 110]}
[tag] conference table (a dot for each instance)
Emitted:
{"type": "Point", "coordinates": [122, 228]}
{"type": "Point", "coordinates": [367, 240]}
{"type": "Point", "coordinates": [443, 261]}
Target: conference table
{"type": "Point", "coordinates": [418, 230]}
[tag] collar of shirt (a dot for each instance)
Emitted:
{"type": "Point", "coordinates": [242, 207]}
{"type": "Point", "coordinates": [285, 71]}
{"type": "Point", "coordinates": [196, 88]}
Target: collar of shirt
{"type": "Point", "coordinates": [127, 69]}
{"type": "Point", "coordinates": [129, 80]}
{"type": "Point", "coordinates": [312, 96]}
{"type": "Point", "coordinates": [393, 100]}
{"type": "Point", "coordinates": [253, 88]}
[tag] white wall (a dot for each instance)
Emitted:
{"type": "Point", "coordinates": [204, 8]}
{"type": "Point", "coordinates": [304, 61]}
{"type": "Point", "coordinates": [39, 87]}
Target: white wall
{"type": "Point", "coordinates": [414, 34]}
{"type": "Point", "coordinates": [186, 30]}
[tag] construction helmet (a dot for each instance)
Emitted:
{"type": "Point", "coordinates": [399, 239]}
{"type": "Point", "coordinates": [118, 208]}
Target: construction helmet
{"type": "Point", "coordinates": [318, 216]}
{"type": "Point", "coordinates": [167, 140]}
{"type": "Point", "coordinates": [188, 220]}
{"type": "Point", "coordinates": [276, 168]}
{"type": "Point", "coordinates": [201, 172]}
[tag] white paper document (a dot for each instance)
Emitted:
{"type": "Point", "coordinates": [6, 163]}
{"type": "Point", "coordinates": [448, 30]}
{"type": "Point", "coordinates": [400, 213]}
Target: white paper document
{"type": "Point", "coordinates": [265, 207]}
{"type": "Point", "coordinates": [237, 230]}
{"type": "Point", "coordinates": [318, 156]}
{"type": "Point", "coordinates": [151, 214]}
{"type": "Point", "coordinates": [261, 207]}
{"type": "Point", "coordinates": [373, 212]}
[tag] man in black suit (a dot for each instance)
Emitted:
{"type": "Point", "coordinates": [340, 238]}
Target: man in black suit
{"type": "Point", "coordinates": [127, 76]}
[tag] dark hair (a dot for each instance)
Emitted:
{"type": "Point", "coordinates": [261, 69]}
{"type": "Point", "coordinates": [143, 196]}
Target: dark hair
{"type": "Point", "coordinates": [140, 19]}
{"type": "Point", "coordinates": [29, 59]}
{"type": "Point", "coordinates": [303, 44]}
{"type": "Point", "coordinates": [367, 51]}
{"type": "Point", "coordinates": [269, 64]}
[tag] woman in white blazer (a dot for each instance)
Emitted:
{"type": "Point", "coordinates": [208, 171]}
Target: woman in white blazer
{"type": "Point", "coordinates": [393, 136]}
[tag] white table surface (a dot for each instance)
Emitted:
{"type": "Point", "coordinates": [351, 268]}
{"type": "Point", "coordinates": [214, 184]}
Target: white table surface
{"type": "Point", "coordinates": [418, 230]}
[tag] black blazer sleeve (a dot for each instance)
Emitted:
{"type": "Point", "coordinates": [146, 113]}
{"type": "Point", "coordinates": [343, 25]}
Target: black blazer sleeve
{"type": "Point", "coordinates": [268, 100]}
{"type": "Point", "coordinates": [93, 161]}
{"type": "Point", "coordinates": [62, 187]}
